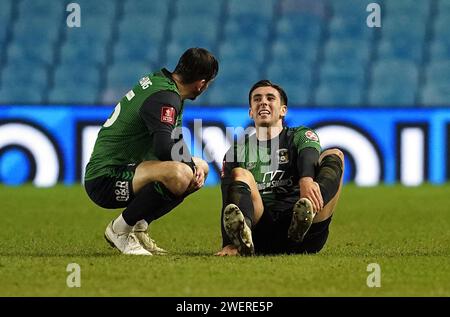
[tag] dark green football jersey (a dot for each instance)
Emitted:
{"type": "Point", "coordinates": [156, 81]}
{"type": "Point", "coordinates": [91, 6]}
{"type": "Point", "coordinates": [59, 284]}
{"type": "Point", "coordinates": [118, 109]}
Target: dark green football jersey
{"type": "Point", "coordinates": [273, 165]}
{"type": "Point", "coordinates": [125, 138]}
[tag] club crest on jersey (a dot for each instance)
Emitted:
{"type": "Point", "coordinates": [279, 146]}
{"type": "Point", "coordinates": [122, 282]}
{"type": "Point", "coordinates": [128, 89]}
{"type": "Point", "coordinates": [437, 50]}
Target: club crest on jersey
{"type": "Point", "coordinates": [168, 114]}
{"type": "Point", "coordinates": [283, 156]}
{"type": "Point", "coordinates": [311, 136]}
{"type": "Point", "coordinates": [250, 165]}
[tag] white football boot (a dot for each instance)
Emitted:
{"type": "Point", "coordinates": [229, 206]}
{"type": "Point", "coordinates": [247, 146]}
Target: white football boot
{"type": "Point", "coordinates": [238, 230]}
{"type": "Point", "coordinates": [126, 242]}
{"type": "Point", "coordinates": [140, 231]}
{"type": "Point", "coordinates": [302, 219]}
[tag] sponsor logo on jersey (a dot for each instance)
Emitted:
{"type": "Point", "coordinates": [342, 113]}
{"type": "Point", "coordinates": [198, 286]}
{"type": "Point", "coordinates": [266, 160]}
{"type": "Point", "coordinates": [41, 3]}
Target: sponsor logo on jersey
{"type": "Point", "coordinates": [168, 114]}
{"type": "Point", "coordinates": [283, 156]}
{"type": "Point", "coordinates": [311, 136]}
{"type": "Point", "coordinates": [122, 191]}
{"type": "Point", "coordinates": [273, 181]}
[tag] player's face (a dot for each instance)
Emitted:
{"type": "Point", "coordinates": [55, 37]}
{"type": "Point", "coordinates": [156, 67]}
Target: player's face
{"type": "Point", "coordinates": [266, 108]}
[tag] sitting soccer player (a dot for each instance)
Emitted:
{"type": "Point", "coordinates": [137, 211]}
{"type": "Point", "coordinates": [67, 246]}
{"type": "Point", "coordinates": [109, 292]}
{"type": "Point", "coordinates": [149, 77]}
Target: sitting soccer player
{"type": "Point", "coordinates": [278, 190]}
{"type": "Point", "coordinates": [137, 164]}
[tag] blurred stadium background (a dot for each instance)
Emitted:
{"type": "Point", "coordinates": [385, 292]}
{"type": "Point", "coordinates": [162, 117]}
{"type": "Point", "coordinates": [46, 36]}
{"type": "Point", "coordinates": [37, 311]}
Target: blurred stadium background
{"type": "Point", "coordinates": [321, 51]}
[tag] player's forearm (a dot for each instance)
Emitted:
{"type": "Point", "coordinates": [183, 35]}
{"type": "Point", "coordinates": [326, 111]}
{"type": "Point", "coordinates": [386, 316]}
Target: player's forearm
{"type": "Point", "coordinates": [306, 162]}
{"type": "Point", "coordinates": [166, 149]}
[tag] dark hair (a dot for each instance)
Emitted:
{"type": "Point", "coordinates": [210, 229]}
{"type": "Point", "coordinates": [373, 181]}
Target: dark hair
{"type": "Point", "coordinates": [268, 83]}
{"type": "Point", "coordinates": [196, 64]}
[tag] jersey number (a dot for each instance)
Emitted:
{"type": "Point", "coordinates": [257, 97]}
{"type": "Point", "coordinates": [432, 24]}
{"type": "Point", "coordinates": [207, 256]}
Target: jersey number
{"type": "Point", "coordinates": [113, 117]}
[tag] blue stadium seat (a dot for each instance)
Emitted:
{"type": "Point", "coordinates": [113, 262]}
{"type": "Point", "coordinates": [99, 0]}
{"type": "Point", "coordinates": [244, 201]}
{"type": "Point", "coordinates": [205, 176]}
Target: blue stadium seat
{"type": "Point", "coordinates": [53, 11]}
{"type": "Point", "coordinates": [350, 8]}
{"type": "Point", "coordinates": [233, 70]}
{"type": "Point", "coordinates": [394, 83]}
{"type": "Point", "coordinates": [401, 48]}
{"type": "Point", "coordinates": [73, 94]}
{"type": "Point", "coordinates": [82, 75]}
{"type": "Point", "coordinates": [35, 30]}
{"type": "Point", "coordinates": [298, 51]}
{"type": "Point", "coordinates": [339, 93]}
{"type": "Point", "coordinates": [140, 27]}
{"type": "Point", "coordinates": [304, 28]}
{"type": "Point", "coordinates": [18, 95]}
{"type": "Point", "coordinates": [404, 27]}
{"type": "Point", "coordinates": [298, 94]}
{"type": "Point", "coordinates": [254, 28]}
{"type": "Point", "coordinates": [233, 94]}
{"type": "Point", "coordinates": [199, 8]}
{"type": "Point", "coordinates": [128, 74]}
{"type": "Point", "coordinates": [40, 53]}
{"type": "Point", "coordinates": [134, 49]}
{"type": "Point", "coordinates": [98, 30]}
{"type": "Point", "coordinates": [435, 95]}
{"type": "Point", "coordinates": [439, 51]}
{"type": "Point", "coordinates": [347, 51]}
{"type": "Point", "coordinates": [121, 78]}
{"type": "Point", "coordinates": [414, 9]}
{"type": "Point", "coordinates": [392, 95]}
{"type": "Point", "coordinates": [158, 9]}
{"type": "Point", "coordinates": [444, 8]}
{"type": "Point", "coordinates": [332, 72]}
{"type": "Point", "coordinates": [84, 52]}
{"type": "Point", "coordinates": [194, 29]}
{"type": "Point", "coordinates": [439, 73]}
{"type": "Point", "coordinates": [290, 73]}
{"type": "Point", "coordinates": [441, 27]}
{"type": "Point", "coordinates": [98, 9]}
{"type": "Point", "coordinates": [388, 72]}
{"type": "Point", "coordinates": [252, 8]}
{"type": "Point", "coordinates": [33, 75]}
{"type": "Point", "coordinates": [5, 19]}
{"type": "Point", "coordinates": [243, 50]}
{"type": "Point", "coordinates": [350, 28]}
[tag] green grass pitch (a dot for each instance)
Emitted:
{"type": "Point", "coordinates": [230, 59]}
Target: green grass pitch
{"type": "Point", "coordinates": [404, 230]}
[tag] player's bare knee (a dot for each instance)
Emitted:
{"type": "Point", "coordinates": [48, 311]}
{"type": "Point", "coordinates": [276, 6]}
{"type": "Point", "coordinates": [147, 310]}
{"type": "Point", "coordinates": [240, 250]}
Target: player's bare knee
{"type": "Point", "coordinates": [178, 179]}
{"type": "Point", "coordinates": [336, 152]}
{"type": "Point", "coordinates": [241, 174]}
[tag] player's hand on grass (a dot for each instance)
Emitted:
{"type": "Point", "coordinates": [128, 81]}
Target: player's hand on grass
{"type": "Point", "coordinates": [311, 190]}
{"type": "Point", "coordinates": [229, 250]}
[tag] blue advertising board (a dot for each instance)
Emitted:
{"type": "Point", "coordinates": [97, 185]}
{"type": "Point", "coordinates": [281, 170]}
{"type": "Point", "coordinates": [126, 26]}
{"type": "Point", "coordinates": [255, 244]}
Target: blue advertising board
{"type": "Point", "coordinates": [46, 145]}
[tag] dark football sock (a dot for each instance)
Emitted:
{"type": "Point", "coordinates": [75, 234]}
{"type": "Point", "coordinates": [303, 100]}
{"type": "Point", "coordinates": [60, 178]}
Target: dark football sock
{"type": "Point", "coordinates": [239, 193]}
{"type": "Point", "coordinates": [329, 177]}
{"type": "Point", "coordinates": [152, 202]}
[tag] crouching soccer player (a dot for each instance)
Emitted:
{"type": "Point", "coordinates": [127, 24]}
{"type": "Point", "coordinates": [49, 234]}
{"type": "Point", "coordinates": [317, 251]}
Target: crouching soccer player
{"type": "Point", "coordinates": [133, 163]}
{"type": "Point", "coordinates": [279, 191]}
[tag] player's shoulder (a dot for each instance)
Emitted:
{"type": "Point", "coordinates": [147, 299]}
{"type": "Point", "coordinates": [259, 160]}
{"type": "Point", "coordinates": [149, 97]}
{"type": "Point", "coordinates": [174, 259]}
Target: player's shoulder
{"type": "Point", "coordinates": [303, 135]}
{"type": "Point", "coordinates": [162, 80]}
{"type": "Point", "coordinates": [301, 131]}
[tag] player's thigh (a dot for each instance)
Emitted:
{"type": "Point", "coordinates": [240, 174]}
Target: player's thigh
{"type": "Point", "coordinates": [170, 173]}
{"type": "Point", "coordinates": [114, 189]}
